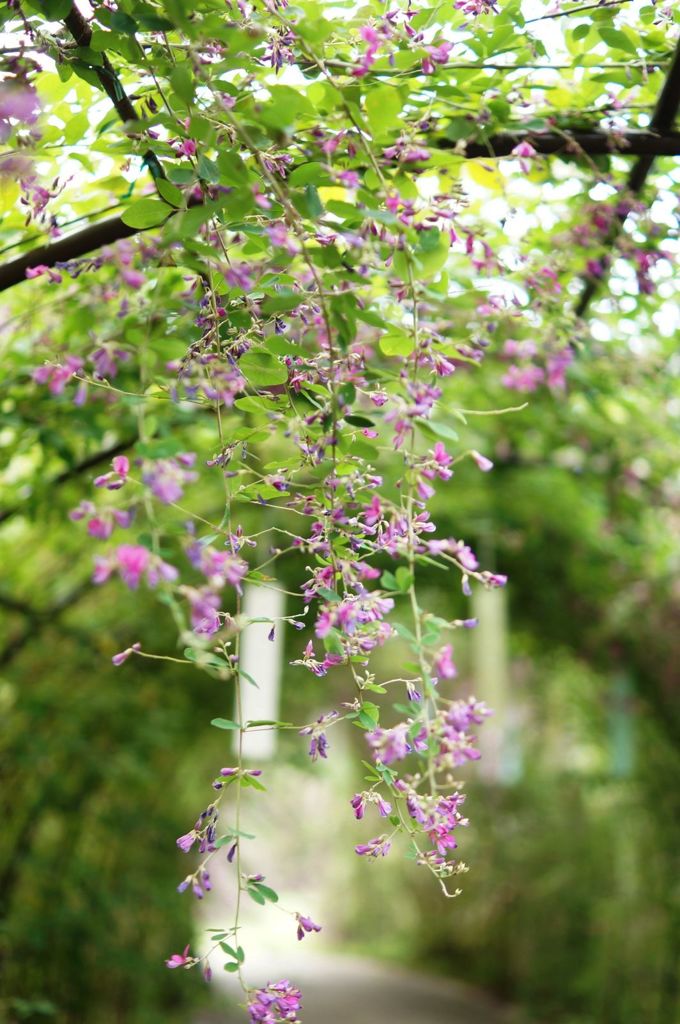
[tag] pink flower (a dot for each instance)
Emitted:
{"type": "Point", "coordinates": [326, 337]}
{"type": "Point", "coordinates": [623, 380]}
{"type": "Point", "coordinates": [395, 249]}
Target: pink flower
{"type": "Point", "coordinates": [118, 659]}
{"type": "Point", "coordinates": [134, 278]}
{"type": "Point", "coordinates": [261, 199]}
{"type": "Point", "coordinates": [482, 462]}
{"type": "Point", "coordinates": [557, 366]}
{"type": "Point", "coordinates": [438, 463]}
{"type": "Point", "coordinates": [436, 55]}
{"type": "Point", "coordinates": [179, 959]}
{"type": "Point", "coordinates": [443, 663]}
{"type": "Point", "coordinates": [57, 375]}
{"type": "Point", "coordinates": [114, 480]}
{"type": "Point", "coordinates": [523, 378]}
{"type": "Point", "coordinates": [100, 528]}
{"type": "Point", "coordinates": [40, 269]}
{"type": "Point", "coordinates": [133, 560]}
{"type": "Point", "coordinates": [525, 152]}
{"type": "Point", "coordinates": [348, 178]}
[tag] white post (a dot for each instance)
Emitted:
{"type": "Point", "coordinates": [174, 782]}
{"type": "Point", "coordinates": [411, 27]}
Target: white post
{"type": "Point", "coordinates": [491, 681]}
{"type": "Point", "coordinates": [260, 658]}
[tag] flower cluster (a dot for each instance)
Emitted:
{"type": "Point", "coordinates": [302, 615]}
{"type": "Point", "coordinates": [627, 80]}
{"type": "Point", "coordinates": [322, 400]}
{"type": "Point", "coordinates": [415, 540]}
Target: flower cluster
{"type": "Point", "coordinates": [278, 1002]}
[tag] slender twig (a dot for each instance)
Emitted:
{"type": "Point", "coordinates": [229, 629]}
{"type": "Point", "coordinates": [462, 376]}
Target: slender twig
{"type": "Point", "coordinates": [576, 10]}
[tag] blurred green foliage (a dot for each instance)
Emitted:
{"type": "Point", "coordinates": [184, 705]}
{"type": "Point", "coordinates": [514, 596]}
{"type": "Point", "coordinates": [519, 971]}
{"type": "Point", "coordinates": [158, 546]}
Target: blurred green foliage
{"type": "Point", "coordinates": [571, 906]}
{"type": "Point", "coordinates": [87, 866]}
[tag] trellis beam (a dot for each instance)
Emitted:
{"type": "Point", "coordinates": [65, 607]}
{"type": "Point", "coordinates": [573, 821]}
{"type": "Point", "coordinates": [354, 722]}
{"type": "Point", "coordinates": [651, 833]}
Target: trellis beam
{"type": "Point", "coordinates": [662, 122]}
{"type": "Point", "coordinates": [567, 145]}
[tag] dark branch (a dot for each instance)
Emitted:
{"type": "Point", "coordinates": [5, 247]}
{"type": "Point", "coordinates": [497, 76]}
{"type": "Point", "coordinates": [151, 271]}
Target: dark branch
{"type": "Point", "coordinates": [663, 119]}
{"type": "Point", "coordinates": [72, 247]}
{"type": "Point", "coordinates": [570, 146]}
{"type": "Point", "coordinates": [36, 619]}
{"type": "Point", "coordinates": [573, 144]}
{"type": "Point", "coordinates": [110, 82]}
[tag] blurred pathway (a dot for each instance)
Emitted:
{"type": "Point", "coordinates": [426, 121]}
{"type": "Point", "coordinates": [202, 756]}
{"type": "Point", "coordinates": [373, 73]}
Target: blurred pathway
{"type": "Point", "coordinates": [350, 990]}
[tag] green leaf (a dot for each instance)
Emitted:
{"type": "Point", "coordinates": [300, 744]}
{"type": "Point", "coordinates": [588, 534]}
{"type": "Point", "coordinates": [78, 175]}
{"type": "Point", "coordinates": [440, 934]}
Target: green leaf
{"type": "Point", "coordinates": [404, 578]}
{"type": "Point", "coordinates": [251, 723]}
{"type": "Point", "coordinates": [205, 658]}
{"type": "Point", "coordinates": [312, 173]}
{"type": "Point", "coordinates": [233, 965]}
{"type": "Point", "coordinates": [182, 82]}
{"type": "Point", "coordinates": [312, 204]}
{"type": "Point", "coordinates": [433, 428]}
{"type": "Point", "coordinates": [424, 262]}
{"type": "Point", "coordinates": [208, 170]}
{"type": "Point", "coordinates": [162, 448]}
{"type": "Point", "coordinates": [283, 301]}
{"type": "Point", "coordinates": [169, 192]}
{"type": "Point", "coordinates": [396, 343]}
{"type": "Point", "coordinates": [359, 421]}
{"type": "Point", "coordinates": [262, 370]}
{"type": "Point", "coordinates": [383, 106]}
{"type": "Point", "coordinates": [366, 721]}
{"type": "Point", "coordinates": [249, 782]}
{"type": "Point", "coordinates": [256, 896]}
{"type": "Point", "coordinates": [224, 723]}
{"type": "Point", "coordinates": [617, 39]}
{"type": "Point", "coordinates": [232, 168]}
{"type": "Point", "coordinates": [333, 642]}
{"type": "Point", "coordinates": [122, 22]}
{"type": "Point", "coordinates": [265, 891]}
{"type": "Point", "coordinates": [146, 213]}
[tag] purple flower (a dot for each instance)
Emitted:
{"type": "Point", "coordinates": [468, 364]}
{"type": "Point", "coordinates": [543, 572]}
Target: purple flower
{"type": "Point", "coordinates": [167, 478]}
{"type": "Point", "coordinates": [276, 1002]}
{"type": "Point", "coordinates": [238, 276]}
{"type": "Point", "coordinates": [18, 101]}
{"type": "Point", "coordinates": [390, 745]}
{"type": "Point", "coordinates": [384, 807]}
{"type": "Point", "coordinates": [186, 842]}
{"type": "Point", "coordinates": [118, 659]}
{"type": "Point", "coordinates": [205, 611]}
{"type": "Point", "coordinates": [378, 847]}
{"type": "Point", "coordinates": [306, 926]}
{"type": "Point", "coordinates": [358, 803]}
{"type": "Point", "coordinates": [318, 746]}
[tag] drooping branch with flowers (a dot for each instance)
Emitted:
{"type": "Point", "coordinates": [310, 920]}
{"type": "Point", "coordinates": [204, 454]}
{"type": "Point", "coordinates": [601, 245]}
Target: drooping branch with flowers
{"type": "Point", "coordinates": [285, 336]}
